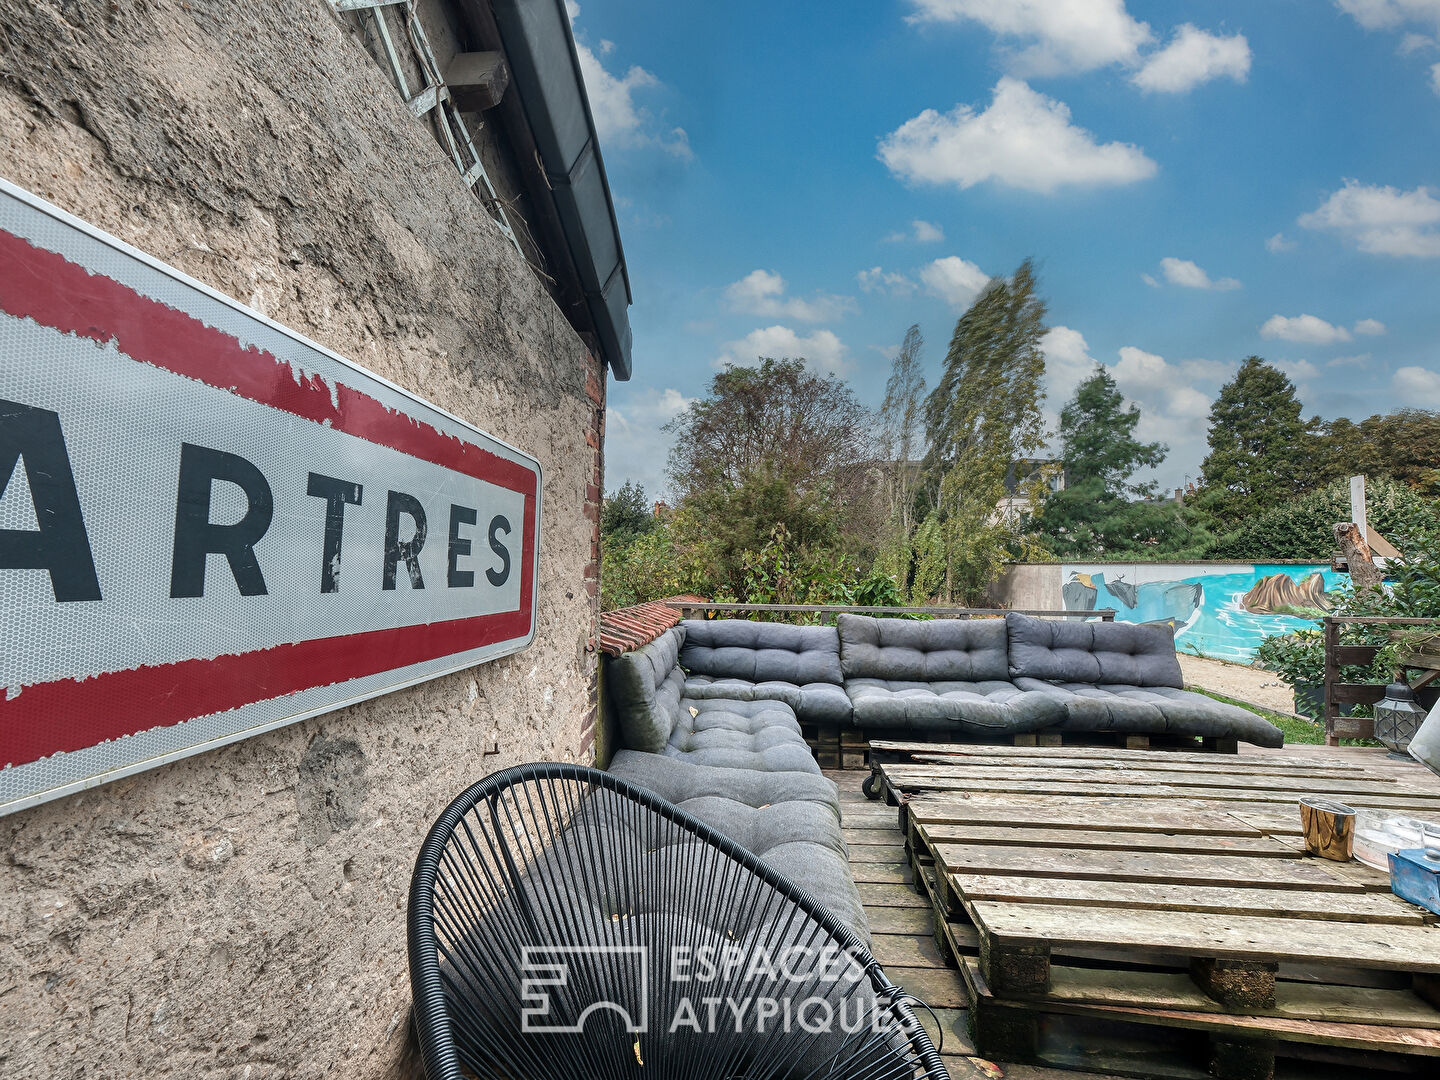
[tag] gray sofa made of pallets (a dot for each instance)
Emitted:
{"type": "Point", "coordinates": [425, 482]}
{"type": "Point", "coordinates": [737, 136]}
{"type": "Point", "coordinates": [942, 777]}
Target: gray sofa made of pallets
{"type": "Point", "coordinates": [966, 678]}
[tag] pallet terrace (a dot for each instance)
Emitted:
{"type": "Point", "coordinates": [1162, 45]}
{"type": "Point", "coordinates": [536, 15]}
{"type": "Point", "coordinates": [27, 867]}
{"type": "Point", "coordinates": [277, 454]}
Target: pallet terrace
{"type": "Point", "coordinates": [1114, 905]}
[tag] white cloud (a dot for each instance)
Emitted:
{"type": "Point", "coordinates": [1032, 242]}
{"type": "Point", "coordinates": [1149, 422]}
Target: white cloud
{"type": "Point", "coordinates": [1149, 279]}
{"type": "Point", "coordinates": [762, 292]}
{"type": "Point", "coordinates": [1349, 361]}
{"type": "Point", "coordinates": [1390, 14]}
{"type": "Point", "coordinates": [921, 232]}
{"type": "Point", "coordinates": [1298, 369]}
{"type": "Point", "coordinates": [635, 447]}
{"type": "Point", "coordinates": [1194, 57]}
{"type": "Point", "coordinates": [954, 280]}
{"type": "Point", "coordinates": [879, 280]}
{"type": "Point", "coordinates": [822, 349]}
{"type": "Point", "coordinates": [1306, 329]}
{"type": "Point", "coordinates": [1435, 78]}
{"type": "Point", "coordinates": [1068, 363]}
{"type": "Point", "coordinates": [1079, 35]}
{"type": "Point", "coordinates": [1370, 327]}
{"type": "Point", "coordinates": [1417, 386]}
{"type": "Point", "coordinates": [1279, 242]}
{"type": "Point", "coordinates": [1185, 273]}
{"type": "Point", "coordinates": [1381, 220]}
{"type": "Point", "coordinates": [619, 121]}
{"type": "Point", "coordinates": [1413, 43]}
{"type": "Point", "coordinates": [1023, 140]}
{"type": "Point", "coordinates": [1138, 368]}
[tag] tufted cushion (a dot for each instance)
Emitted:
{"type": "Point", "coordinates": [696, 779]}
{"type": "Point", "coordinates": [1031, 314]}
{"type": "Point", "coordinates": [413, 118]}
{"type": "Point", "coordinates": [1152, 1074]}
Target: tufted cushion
{"type": "Point", "coordinates": [645, 687]}
{"type": "Point", "coordinates": [937, 650]}
{"type": "Point", "coordinates": [1092, 652]}
{"type": "Point", "coordinates": [821, 703]}
{"type": "Point", "coordinates": [759, 652]}
{"type": "Point", "coordinates": [1153, 710]}
{"type": "Point", "coordinates": [760, 735]}
{"type": "Point", "coordinates": [986, 708]}
{"type": "Point", "coordinates": [791, 820]}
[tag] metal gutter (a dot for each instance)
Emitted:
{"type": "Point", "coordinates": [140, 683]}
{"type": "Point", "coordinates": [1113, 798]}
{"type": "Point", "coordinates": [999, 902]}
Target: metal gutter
{"type": "Point", "coordinates": [545, 70]}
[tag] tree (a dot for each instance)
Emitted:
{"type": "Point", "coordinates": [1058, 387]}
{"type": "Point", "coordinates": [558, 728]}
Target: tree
{"type": "Point", "coordinates": [1262, 453]}
{"type": "Point", "coordinates": [625, 515]}
{"type": "Point", "coordinates": [1101, 510]}
{"type": "Point", "coordinates": [773, 445]}
{"type": "Point", "coordinates": [901, 417]}
{"type": "Point", "coordinates": [982, 416]}
{"type": "Point", "coordinates": [778, 419]}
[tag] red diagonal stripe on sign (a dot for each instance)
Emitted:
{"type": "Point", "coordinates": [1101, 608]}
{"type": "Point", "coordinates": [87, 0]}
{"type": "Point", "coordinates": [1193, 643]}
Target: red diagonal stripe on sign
{"type": "Point", "coordinates": [71, 714]}
{"type": "Point", "coordinates": [45, 286]}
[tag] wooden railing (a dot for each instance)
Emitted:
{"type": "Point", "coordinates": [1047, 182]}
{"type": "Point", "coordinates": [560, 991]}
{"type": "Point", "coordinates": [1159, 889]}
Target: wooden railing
{"type": "Point", "coordinates": [689, 611]}
{"type": "Point", "coordinates": [1338, 694]}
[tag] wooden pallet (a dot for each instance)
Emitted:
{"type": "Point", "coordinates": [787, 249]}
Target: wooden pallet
{"type": "Point", "coordinates": [1171, 908]}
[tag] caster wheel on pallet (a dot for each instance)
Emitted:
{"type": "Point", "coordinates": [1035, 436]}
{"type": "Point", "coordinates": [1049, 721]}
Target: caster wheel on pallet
{"type": "Point", "coordinates": [870, 786]}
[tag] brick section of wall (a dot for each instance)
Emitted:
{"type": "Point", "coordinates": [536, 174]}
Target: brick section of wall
{"type": "Point", "coordinates": [594, 499]}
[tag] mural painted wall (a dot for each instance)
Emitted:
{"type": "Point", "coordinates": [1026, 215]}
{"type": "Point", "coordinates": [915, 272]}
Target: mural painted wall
{"type": "Point", "coordinates": [1222, 610]}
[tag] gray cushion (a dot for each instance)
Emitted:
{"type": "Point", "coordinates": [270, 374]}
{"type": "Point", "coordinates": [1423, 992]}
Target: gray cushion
{"type": "Point", "coordinates": [645, 688]}
{"type": "Point", "coordinates": [935, 650]}
{"type": "Point", "coordinates": [1153, 710]}
{"type": "Point", "coordinates": [987, 708]}
{"type": "Point", "coordinates": [816, 702]}
{"type": "Point", "coordinates": [1093, 652]}
{"type": "Point", "coordinates": [760, 735]}
{"type": "Point", "coordinates": [760, 652]}
{"type": "Point", "coordinates": [791, 820]}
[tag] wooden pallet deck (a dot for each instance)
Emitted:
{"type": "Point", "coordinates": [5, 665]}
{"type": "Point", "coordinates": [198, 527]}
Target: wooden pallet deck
{"type": "Point", "coordinates": [1165, 899]}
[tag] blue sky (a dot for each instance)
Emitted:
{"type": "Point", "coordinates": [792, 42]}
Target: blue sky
{"type": "Point", "coordinates": [1196, 182]}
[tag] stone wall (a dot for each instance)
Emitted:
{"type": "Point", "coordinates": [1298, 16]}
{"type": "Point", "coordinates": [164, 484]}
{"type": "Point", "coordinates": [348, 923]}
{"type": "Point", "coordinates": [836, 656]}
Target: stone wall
{"type": "Point", "coordinates": [242, 913]}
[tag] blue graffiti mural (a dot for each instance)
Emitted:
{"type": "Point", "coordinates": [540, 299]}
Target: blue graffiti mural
{"type": "Point", "coordinates": [1220, 610]}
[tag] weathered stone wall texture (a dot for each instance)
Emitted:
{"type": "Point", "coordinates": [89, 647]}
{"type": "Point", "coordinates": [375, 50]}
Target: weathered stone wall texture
{"type": "Point", "coordinates": [241, 913]}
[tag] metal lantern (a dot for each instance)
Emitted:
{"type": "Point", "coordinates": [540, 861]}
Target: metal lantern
{"type": "Point", "coordinates": [1397, 718]}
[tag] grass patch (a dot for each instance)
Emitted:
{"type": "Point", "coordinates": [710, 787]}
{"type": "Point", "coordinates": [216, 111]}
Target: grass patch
{"type": "Point", "coordinates": [1296, 730]}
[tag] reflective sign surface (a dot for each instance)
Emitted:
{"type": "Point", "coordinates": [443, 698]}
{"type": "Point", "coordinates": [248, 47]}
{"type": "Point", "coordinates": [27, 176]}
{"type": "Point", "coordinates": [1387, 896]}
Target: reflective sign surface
{"type": "Point", "coordinates": [210, 526]}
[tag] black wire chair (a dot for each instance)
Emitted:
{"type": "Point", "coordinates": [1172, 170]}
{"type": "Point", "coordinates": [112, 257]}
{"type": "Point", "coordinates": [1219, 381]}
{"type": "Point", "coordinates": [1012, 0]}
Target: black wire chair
{"type": "Point", "coordinates": [564, 923]}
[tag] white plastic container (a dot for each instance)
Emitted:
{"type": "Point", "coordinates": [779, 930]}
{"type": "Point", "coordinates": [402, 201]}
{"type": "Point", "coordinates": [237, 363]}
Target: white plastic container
{"type": "Point", "coordinates": [1379, 832]}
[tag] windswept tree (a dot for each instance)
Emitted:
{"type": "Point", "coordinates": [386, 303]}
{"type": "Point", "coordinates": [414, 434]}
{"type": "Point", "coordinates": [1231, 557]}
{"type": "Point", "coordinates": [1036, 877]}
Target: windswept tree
{"type": "Point", "coordinates": [1102, 510]}
{"type": "Point", "coordinates": [901, 442]}
{"type": "Point", "coordinates": [983, 416]}
{"type": "Point", "coordinates": [1262, 451]}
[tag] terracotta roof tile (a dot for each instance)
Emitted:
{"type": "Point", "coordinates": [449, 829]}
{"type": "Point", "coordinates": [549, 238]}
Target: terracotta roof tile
{"type": "Point", "coordinates": [627, 629]}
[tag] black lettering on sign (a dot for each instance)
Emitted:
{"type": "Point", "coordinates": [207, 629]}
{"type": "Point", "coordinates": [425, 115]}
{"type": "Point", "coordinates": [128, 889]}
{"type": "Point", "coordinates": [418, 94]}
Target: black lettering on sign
{"type": "Point", "coordinates": [455, 577]}
{"type": "Point", "coordinates": [408, 551]}
{"type": "Point", "coordinates": [499, 577]}
{"type": "Point", "coordinates": [336, 494]}
{"type": "Point", "coordinates": [196, 537]}
{"type": "Point", "coordinates": [61, 544]}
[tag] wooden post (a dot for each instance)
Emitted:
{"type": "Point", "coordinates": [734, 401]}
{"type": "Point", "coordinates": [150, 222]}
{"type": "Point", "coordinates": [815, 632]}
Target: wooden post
{"type": "Point", "coordinates": [1329, 828]}
{"type": "Point", "coordinates": [1332, 676]}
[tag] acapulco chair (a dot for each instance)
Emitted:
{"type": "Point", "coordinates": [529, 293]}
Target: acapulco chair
{"type": "Point", "coordinates": [565, 924]}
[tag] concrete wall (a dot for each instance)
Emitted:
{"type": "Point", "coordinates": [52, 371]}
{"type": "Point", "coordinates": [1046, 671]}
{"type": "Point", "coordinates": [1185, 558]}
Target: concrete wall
{"type": "Point", "coordinates": [241, 913]}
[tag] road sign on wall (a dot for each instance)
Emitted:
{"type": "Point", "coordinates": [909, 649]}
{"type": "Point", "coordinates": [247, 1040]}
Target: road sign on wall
{"type": "Point", "coordinates": [211, 527]}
